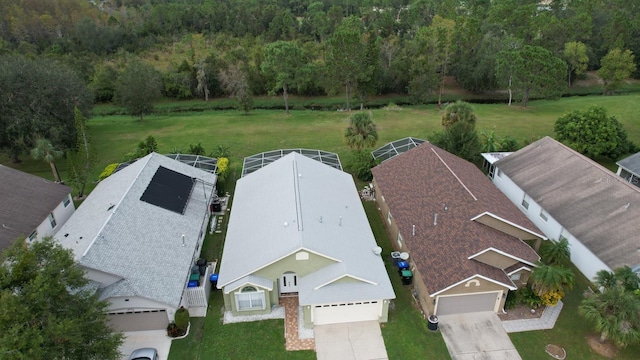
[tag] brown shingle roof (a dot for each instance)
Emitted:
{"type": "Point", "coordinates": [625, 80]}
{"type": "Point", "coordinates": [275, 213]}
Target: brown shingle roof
{"type": "Point", "coordinates": [427, 180]}
{"type": "Point", "coordinates": [26, 202]}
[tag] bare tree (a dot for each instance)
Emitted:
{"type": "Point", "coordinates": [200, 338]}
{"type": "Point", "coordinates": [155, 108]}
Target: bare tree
{"type": "Point", "coordinates": [236, 83]}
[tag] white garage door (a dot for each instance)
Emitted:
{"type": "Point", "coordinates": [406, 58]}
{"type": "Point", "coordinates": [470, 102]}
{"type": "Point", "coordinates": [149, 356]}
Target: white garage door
{"type": "Point", "coordinates": [467, 303]}
{"type": "Point", "coordinates": [139, 320]}
{"type": "Point", "coordinates": [347, 312]}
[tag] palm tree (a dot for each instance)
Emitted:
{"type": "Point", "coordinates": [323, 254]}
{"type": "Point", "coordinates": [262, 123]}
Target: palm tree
{"type": "Point", "coordinates": [556, 252]}
{"type": "Point", "coordinates": [546, 278]}
{"type": "Point", "coordinates": [615, 313]}
{"type": "Point", "coordinates": [627, 278]}
{"type": "Point", "coordinates": [361, 132]}
{"type": "Point", "coordinates": [459, 111]}
{"type": "Point", "coordinates": [47, 152]}
{"type": "Point", "coordinates": [605, 279]}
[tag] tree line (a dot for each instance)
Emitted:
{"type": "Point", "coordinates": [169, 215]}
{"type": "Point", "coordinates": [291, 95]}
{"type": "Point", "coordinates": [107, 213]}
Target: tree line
{"type": "Point", "coordinates": [384, 46]}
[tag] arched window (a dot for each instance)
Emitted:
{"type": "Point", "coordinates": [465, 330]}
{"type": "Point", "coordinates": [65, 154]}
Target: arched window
{"type": "Point", "coordinates": [250, 298]}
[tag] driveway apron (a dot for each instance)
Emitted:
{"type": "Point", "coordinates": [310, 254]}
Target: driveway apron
{"type": "Point", "coordinates": [477, 336]}
{"type": "Point", "coordinates": [157, 339]}
{"type": "Point", "coordinates": [350, 341]}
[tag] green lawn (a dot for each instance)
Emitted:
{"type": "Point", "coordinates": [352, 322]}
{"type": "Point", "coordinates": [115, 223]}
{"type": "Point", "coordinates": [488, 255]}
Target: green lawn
{"type": "Point", "coordinates": [264, 130]}
{"type": "Point", "coordinates": [569, 332]}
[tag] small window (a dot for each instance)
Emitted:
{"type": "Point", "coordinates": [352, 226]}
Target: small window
{"type": "Point", "coordinates": [525, 201]}
{"type": "Point", "coordinates": [543, 216]}
{"type": "Point", "coordinates": [515, 277]}
{"type": "Point", "coordinates": [498, 173]}
{"type": "Point", "coordinates": [66, 201]}
{"type": "Point", "coordinates": [52, 220]}
{"type": "Point", "coordinates": [389, 217]}
{"type": "Point", "coordinates": [33, 235]}
{"type": "Point", "coordinates": [399, 240]}
{"type": "Point", "coordinates": [564, 234]}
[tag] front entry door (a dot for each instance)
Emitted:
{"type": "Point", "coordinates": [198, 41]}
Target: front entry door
{"type": "Point", "coordinates": [289, 283]}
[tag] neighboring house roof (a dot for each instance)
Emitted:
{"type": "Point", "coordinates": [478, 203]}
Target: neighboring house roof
{"type": "Point", "coordinates": [299, 204]}
{"type": "Point", "coordinates": [595, 205]}
{"type": "Point", "coordinates": [631, 164]}
{"type": "Point", "coordinates": [117, 232]}
{"type": "Point", "coordinates": [443, 207]}
{"type": "Point", "coordinates": [26, 201]}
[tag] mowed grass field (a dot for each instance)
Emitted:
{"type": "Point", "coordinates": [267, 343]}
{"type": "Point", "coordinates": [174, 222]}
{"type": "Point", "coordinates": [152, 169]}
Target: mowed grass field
{"type": "Point", "coordinates": [264, 130]}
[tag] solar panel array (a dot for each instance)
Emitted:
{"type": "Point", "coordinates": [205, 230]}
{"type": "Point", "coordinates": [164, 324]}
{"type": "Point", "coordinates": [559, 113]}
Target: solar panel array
{"type": "Point", "coordinates": [169, 190]}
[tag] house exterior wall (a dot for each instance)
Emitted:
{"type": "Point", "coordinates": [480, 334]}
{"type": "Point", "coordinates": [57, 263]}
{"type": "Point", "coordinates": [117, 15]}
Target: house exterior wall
{"type": "Point", "coordinates": [135, 303]}
{"type": "Point", "coordinates": [587, 262]}
{"type": "Point", "coordinates": [392, 227]}
{"type": "Point", "coordinates": [495, 259]}
{"type": "Point", "coordinates": [61, 214]}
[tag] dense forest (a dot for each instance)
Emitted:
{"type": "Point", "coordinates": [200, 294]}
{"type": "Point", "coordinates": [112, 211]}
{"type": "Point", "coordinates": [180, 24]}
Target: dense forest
{"type": "Point", "coordinates": [364, 46]}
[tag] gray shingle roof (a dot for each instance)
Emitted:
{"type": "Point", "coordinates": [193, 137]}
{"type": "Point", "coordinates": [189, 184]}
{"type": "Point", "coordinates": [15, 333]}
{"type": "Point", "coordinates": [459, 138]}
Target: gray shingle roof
{"type": "Point", "coordinates": [26, 201]}
{"type": "Point", "coordinates": [296, 203]}
{"type": "Point", "coordinates": [115, 232]}
{"type": "Point", "coordinates": [592, 203]}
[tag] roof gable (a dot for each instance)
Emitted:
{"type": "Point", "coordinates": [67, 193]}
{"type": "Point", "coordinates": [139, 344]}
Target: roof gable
{"type": "Point", "coordinates": [433, 196]}
{"type": "Point", "coordinates": [584, 197]}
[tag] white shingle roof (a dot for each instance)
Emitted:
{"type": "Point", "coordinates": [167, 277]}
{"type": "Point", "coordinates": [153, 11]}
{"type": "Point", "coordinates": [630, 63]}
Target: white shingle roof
{"type": "Point", "coordinates": [115, 232]}
{"type": "Point", "coordinates": [297, 203]}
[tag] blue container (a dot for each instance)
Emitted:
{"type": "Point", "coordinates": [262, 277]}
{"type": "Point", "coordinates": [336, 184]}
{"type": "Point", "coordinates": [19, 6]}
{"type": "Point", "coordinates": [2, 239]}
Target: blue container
{"type": "Point", "coordinates": [193, 283]}
{"type": "Point", "coordinates": [213, 278]}
{"type": "Point", "coordinates": [403, 265]}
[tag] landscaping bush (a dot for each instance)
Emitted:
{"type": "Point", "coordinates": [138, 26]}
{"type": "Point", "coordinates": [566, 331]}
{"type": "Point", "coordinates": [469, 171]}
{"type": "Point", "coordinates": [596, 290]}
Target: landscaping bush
{"type": "Point", "coordinates": [108, 170]}
{"type": "Point", "coordinates": [182, 318]}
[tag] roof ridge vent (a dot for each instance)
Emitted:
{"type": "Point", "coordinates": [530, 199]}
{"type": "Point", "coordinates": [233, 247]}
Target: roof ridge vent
{"type": "Point", "coordinates": [454, 175]}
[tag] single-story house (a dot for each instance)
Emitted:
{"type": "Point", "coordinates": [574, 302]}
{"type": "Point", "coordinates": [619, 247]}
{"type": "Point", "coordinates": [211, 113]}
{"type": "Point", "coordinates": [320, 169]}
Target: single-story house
{"type": "Point", "coordinates": [298, 228]}
{"type": "Point", "coordinates": [138, 235]}
{"type": "Point", "coordinates": [567, 195]}
{"type": "Point", "coordinates": [32, 207]}
{"type": "Point", "coordinates": [465, 239]}
{"type": "Point", "coordinates": [629, 169]}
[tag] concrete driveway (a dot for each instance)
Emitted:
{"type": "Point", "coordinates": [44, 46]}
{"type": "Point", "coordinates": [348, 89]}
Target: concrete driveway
{"type": "Point", "coordinates": [350, 341]}
{"type": "Point", "coordinates": [477, 336]}
{"type": "Point", "coordinates": [157, 339]}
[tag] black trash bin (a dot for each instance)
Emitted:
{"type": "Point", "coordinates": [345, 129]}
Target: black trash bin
{"type": "Point", "coordinates": [432, 323]}
{"type": "Point", "coordinates": [407, 277]}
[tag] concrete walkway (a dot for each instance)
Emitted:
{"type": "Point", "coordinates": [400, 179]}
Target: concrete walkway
{"type": "Point", "coordinates": [545, 322]}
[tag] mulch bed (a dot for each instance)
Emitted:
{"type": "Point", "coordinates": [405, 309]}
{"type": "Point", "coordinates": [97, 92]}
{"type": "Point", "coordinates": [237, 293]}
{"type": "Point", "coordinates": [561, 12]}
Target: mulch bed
{"type": "Point", "coordinates": [605, 348]}
{"type": "Point", "coordinates": [521, 312]}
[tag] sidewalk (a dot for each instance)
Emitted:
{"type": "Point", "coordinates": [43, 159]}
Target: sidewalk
{"type": "Point", "coordinates": [545, 322]}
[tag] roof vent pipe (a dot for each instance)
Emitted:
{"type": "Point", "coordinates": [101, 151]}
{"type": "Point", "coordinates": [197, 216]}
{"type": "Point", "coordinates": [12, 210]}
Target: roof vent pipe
{"type": "Point", "coordinates": [435, 219]}
{"type": "Point", "coordinates": [340, 223]}
{"type": "Point", "coordinates": [183, 244]}
{"type": "Point", "coordinates": [320, 219]}
{"type": "Point", "coordinates": [413, 231]}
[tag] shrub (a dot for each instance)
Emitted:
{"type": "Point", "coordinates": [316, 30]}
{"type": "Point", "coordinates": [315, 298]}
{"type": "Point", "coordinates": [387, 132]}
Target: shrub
{"type": "Point", "coordinates": [108, 170]}
{"type": "Point", "coordinates": [182, 318]}
{"type": "Point", "coordinates": [513, 299]}
{"type": "Point", "coordinates": [552, 297]}
{"type": "Point", "coordinates": [530, 298]}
